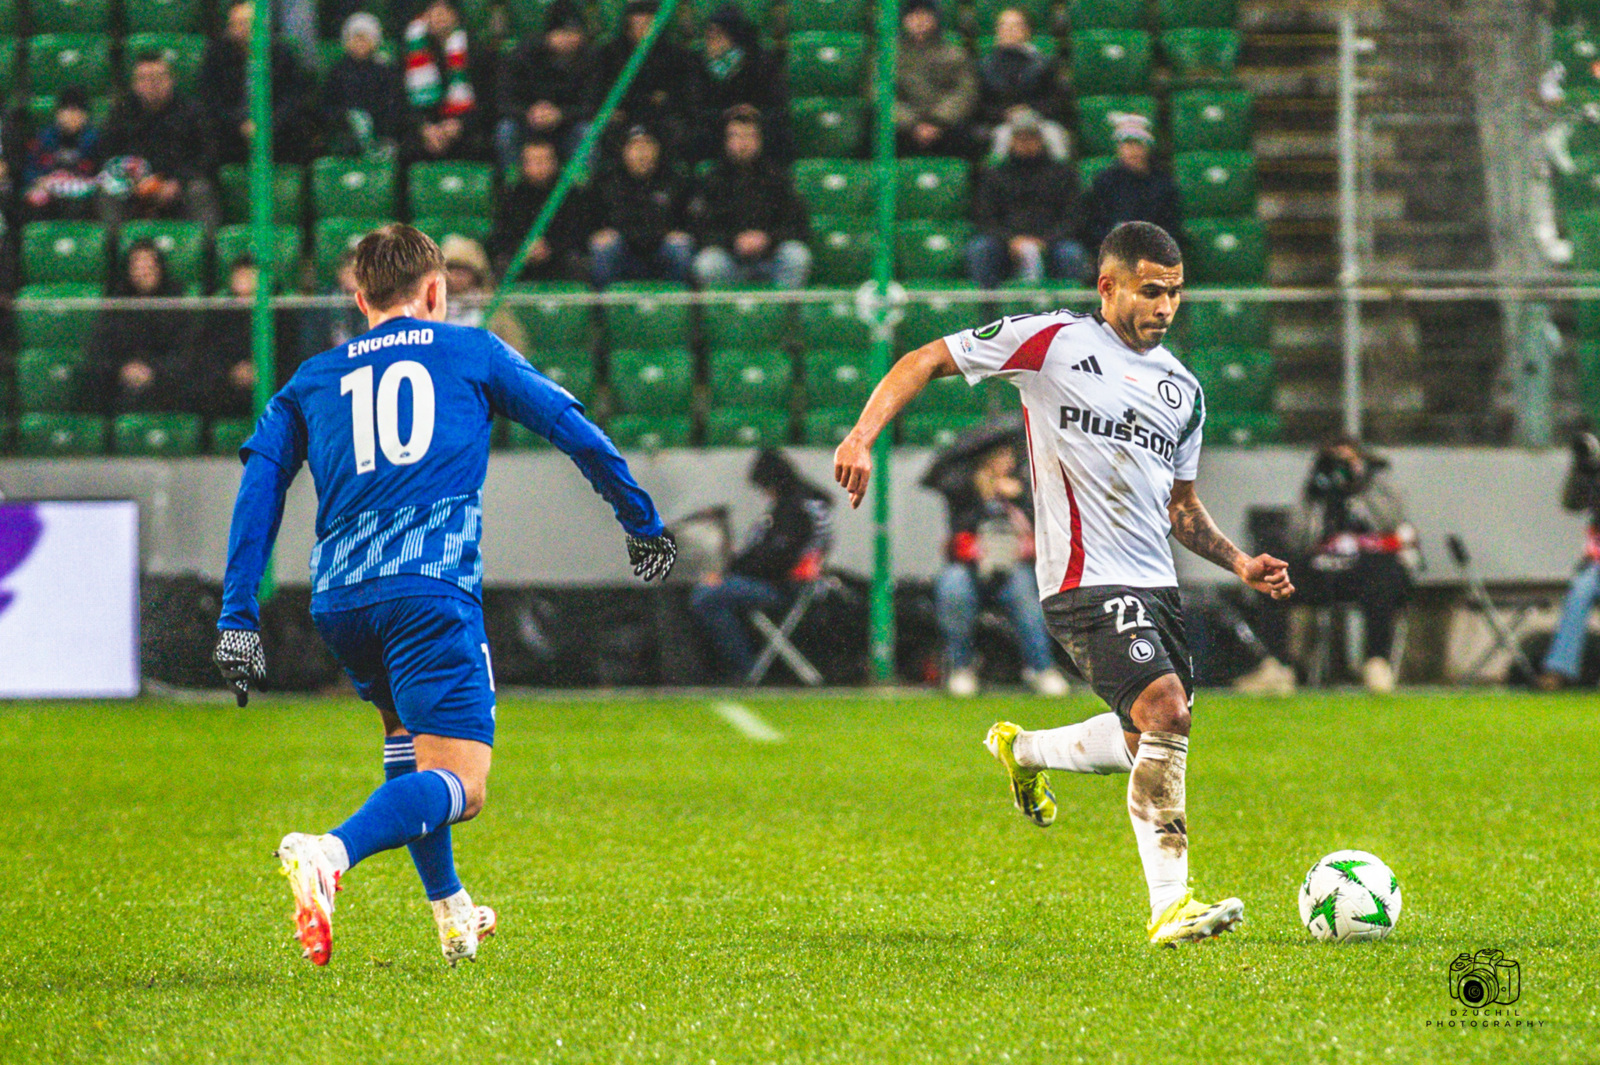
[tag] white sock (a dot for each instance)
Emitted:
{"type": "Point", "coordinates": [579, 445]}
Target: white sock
{"type": "Point", "coordinates": [333, 847]}
{"type": "Point", "coordinates": [1155, 805]}
{"type": "Point", "coordinates": [1093, 746]}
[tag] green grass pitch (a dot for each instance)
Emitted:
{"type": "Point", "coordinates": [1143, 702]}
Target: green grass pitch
{"type": "Point", "coordinates": [860, 892]}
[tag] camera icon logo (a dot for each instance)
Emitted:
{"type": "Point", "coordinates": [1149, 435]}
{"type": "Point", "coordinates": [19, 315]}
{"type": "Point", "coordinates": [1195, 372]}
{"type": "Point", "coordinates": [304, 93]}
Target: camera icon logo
{"type": "Point", "coordinates": [1487, 978]}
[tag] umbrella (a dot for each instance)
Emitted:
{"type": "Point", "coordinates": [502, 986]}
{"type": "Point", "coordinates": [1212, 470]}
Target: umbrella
{"type": "Point", "coordinates": [977, 441]}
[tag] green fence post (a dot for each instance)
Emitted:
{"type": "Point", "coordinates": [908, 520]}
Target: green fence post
{"type": "Point", "coordinates": [882, 611]}
{"type": "Point", "coordinates": [263, 241]}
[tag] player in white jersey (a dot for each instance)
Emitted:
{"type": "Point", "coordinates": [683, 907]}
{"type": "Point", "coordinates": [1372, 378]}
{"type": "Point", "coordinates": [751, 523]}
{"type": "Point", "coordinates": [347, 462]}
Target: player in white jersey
{"type": "Point", "coordinates": [1114, 426]}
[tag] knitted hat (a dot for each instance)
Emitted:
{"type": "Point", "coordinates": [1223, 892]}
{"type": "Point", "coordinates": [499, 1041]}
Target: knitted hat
{"type": "Point", "coordinates": [361, 24]}
{"type": "Point", "coordinates": [563, 15]}
{"type": "Point", "coordinates": [465, 252]}
{"type": "Point", "coordinates": [920, 5]}
{"type": "Point", "coordinates": [72, 96]}
{"type": "Point", "coordinates": [1128, 126]}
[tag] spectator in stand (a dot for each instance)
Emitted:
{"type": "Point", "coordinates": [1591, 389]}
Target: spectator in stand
{"type": "Point", "coordinates": [936, 88]}
{"type": "Point", "coordinates": [787, 546]}
{"type": "Point", "coordinates": [363, 96]}
{"type": "Point", "coordinates": [225, 94]}
{"type": "Point", "coordinates": [1018, 78]}
{"type": "Point", "coordinates": [322, 328]}
{"type": "Point", "coordinates": [441, 86]}
{"type": "Point", "coordinates": [471, 283]}
{"type": "Point", "coordinates": [224, 374]}
{"type": "Point", "coordinates": [58, 176]}
{"type": "Point", "coordinates": [547, 86]}
{"type": "Point", "coordinates": [139, 359]}
{"type": "Point", "coordinates": [1563, 666]}
{"type": "Point", "coordinates": [735, 69]}
{"type": "Point", "coordinates": [1026, 215]}
{"type": "Point", "coordinates": [1131, 190]}
{"type": "Point", "coordinates": [642, 215]}
{"type": "Point", "coordinates": [662, 95]}
{"type": "Point", "coordinates": [558, 255]}
{"type": "Point", "coordinates": [158, 155]}
{"type": "Point", "coordinates": [751, 225]}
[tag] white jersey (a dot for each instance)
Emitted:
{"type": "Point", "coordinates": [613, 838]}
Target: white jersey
{"type": "Point", "coordinates": [1109, 430]}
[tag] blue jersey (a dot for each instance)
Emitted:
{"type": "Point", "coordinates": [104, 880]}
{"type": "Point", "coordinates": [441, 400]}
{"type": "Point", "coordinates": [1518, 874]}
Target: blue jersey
{"type": "Point", "coordinates": [395, 426]}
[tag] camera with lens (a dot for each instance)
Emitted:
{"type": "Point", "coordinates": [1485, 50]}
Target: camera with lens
{"type": "Point", "coordinates": [1485, 979]}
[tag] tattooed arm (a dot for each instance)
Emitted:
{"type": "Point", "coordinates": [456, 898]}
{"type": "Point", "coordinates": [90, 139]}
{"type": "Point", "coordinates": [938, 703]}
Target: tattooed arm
{"type": "Point", "coordinates": [1193, 528]}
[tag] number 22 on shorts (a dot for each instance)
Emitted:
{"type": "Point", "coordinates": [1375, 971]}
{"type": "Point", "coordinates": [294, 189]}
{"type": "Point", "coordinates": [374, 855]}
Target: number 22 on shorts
{"type": "Point", "coordinates": [1120, 605]}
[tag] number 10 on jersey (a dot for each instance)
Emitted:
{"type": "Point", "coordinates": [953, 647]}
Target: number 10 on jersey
{"type": "Point", "coordinates": [357, 384]}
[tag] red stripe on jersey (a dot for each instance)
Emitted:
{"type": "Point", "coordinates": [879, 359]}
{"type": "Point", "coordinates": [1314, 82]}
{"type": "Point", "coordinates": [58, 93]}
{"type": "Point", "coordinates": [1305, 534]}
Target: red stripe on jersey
{"type": "Point", "coordinates": [1033, 474]}
{"type": "Point", "coordinates": [1030, 356]}
{"type": "Point", "coordinates": [1075, 556]}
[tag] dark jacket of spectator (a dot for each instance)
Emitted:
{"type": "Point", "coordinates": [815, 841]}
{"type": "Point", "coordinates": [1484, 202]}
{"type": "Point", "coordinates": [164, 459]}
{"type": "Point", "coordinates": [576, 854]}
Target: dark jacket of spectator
{"type": "Point", "coordinates": [662, 95]}
{"type": "Point", "coordinates": [798, 524]}
{"type": "Point", "coordinates": [732, 199]}
{"type": "Point", "coordinates": [643, 210]}
{"type": "Point", "coordinates": [159, 340]}
{"type": "Point", "coordinates": [934, 82]}
{"type": "Point", "coordinates": [174, 140]}
{"type": "Point", "coordinates": [1119, 195]}
{"type": "Point", "coordinates": [224, 90]}
{"type": "Point", "coordinates": [1018, 77]}
{"type": "Point", "coordinates": [1028, 197]}
{"type": "Point", "coordinates": [535, 73]}
{"type": "Point", "coordinates": [743, 73]}
{"type": "Point", "coordinates": [567, 236]}
{"type": "Point", "coordinates": [443, 81]}
{"type": "Point", "coordinates": [372, 86]}
{"type": "Point", "coordinates": [58, 171]}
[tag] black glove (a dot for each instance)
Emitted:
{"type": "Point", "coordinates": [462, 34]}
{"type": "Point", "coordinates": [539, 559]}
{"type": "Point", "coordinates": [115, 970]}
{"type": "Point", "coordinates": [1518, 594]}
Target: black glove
{"type": "Point", "coordinates": [652, 556]}
{"type": "Point", "coordinates": [240, 659]}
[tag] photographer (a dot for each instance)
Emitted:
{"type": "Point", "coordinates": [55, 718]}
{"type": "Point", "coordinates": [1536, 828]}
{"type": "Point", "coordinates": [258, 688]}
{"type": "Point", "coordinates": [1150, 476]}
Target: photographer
{"type": "Point", "coordinates": [1564, 664]}
{"type": "Point", "coordinates": [1359, 545]}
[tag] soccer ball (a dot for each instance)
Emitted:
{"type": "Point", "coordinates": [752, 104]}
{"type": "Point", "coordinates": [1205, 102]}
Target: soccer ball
{"type": "Point", "coordinates": [1349, 895]}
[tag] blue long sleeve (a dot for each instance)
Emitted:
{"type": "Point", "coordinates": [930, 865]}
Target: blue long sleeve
{"type": "Point", "coordinates": [257, 512]}
{"type": "Point", "coordinates": [594, 453]}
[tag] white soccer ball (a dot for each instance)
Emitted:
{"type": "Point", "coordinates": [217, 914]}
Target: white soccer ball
{"type": "Point", "coordinates": [1350, 895]}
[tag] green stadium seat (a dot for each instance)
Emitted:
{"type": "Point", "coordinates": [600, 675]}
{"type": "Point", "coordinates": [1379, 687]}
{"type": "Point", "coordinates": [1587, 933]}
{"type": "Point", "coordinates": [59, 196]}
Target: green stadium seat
{"type": "Point", "coordinates": [156, 435]}
{"type": "Point", "coordinates": [1235, 379]}
{"type": "Point", "coordinates": [352, 188]}
{"type": "Point", "coordinates": [1106, 14]}
{"type": "Point", "coordinates": [833, 324]}
{"type": "Point", "coordinates": [827, 426]}
{"type": "Point", "coordinates": [64, 251]}
{"type": "Point", "coordinates": [1047, 46]}
{"type": "Point", "coordinates": [451, 189]}
{"type": "Point", "coordinates": [842, 250]}
{"type": "Point", "coordinates": [929, 317]}
{"type": "Point", "coordinates": [475, 227]}
{"type": "Point", "coordinates": [1039, 13]}
{"type": "Point", "coordinates": [643, 432]}
{"type": "Point", "coordinates": [1589, 379]}
{"type": "Point", "coordinates": [1212, 120]}
{"type": "Point", "coordinates": [751, 379]}
{"type": "Point", "coordinates": [183, 52]}
{"type": "Point", "coordinates": [183, 244]}
{"type": "Point", "coordinates": [70, 16]}
{"type": "Point", "coordinates": [1221, 251]}
{"type": "Point", "coordinates": [838, 378]}
{"type": "Point", "coordinates": [1200, 53]}
{"type": "Point", "coordinates": [932, 250]}
{"type": "Point", "coordinates": [647, 321]}
{"type": "Point", "coordinates": [48, 323]}
{"type": "Point", "coordinates": [936, 429]}
{"type": "Point", "coordinates": [162, 16]}
{"type": "Point", "coordinates": [234, 242]}
{"type": "Point", "coordinates": [1090, 167]}
{"type": "Point", "coordinates": [288, 188]}
{"type": "Point", "coordinates": [575, 376]}
{"type": "Point", "coordinates": [10, 18]}
{"type": "Point", "coordinates": [747, 427]}
{"type": "Point", "coordinates": [1212, 14]}
{"type": "Point", "coordinates": [1094, 119]}
{"type": "Point", "coordinates": [553, 324]}
{"type": "Point", "coordinates": [807, 16]}
{"type": "Point", "coordinates": [1110, 61]}
{"type": "Point", "coordinates": [948, 395]}
{"type": "Point", "coordinates": [331, 238]}
{"type": "Point", "coordinates": [1221, 323]}
{"type": "Point", "coordinates": [659, 381]}
{"type": "Point", "coordinates": [748, 321]}
{"type": "Point", "coordinates": [50, 379]}
{"type": "Point", "coordinates": [229, 434]}
{"type": "Point", "coordinates": [827, 63]}
{"type": "Point", "coordinates": [59, 60]}
{"type": "Point", "coordinates": [1577, 48]}
{"type": "Point", "coordinates": [1241, 428]}
{"type": "Point", "coordinates": [525, 19]}
{"type": "Point", "coordinates": [933, 188]}
{"type": "Point", "coordinates": [844, 187]}
{"type": "Point", "coordinates": [8, 65]}
{"type": "Point", "coordinates": [828, 126]}
{"type": "Point", "coordinates": [1216, 184]}
{"type": "Point", "coordinates": [758, 11]}
{"type": "Point", "coordinates": [48, 435]}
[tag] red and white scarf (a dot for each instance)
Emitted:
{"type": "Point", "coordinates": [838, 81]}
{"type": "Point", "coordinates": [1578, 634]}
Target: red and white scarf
{"type": "Point", "coordinates": [426, 85]}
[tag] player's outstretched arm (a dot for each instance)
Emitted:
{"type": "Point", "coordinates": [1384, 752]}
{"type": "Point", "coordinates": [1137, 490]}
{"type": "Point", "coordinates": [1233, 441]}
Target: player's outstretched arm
{"type": "Point", "coordinates": [852, 462]}
{"type": "Point", "coordinates": [651, 548]}
{"type": "Point", "coordinates": [1193, 528]}
{"type": "Point", "coordinates": [257, 513]}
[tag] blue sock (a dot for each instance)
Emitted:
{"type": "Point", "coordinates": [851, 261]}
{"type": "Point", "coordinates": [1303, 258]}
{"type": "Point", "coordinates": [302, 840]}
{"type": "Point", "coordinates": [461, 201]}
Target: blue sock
{"type": "Point", "coordinates": [406, 808]}
{"type": "Point", "coordinates": [433, 854]}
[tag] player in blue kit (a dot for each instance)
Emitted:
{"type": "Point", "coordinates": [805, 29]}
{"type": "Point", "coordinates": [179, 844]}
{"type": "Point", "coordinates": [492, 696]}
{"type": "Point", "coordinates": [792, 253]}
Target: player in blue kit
{"type": "Point", "coordinates": [395, 426]}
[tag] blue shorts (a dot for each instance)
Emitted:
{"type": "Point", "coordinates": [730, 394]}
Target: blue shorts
{"type": "Point", "coordinates": [426, 658]}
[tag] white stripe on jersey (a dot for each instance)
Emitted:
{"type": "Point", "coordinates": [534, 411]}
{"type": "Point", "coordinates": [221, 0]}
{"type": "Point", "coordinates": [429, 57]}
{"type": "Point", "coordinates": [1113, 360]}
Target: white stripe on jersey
{"type": "Point", "coordinates": [1109, 430]}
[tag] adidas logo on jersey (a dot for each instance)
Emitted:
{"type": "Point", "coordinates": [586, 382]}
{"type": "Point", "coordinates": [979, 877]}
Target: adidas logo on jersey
{"type": "Point", "coordinates": [1089, 365]}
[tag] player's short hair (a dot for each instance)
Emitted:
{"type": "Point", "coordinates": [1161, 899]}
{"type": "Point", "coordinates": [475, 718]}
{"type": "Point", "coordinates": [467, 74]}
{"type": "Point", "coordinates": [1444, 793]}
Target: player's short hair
{"type": "Point", "coordinates": [1131, 242]}
{"type": "Point", "coordinates": [391, 262]}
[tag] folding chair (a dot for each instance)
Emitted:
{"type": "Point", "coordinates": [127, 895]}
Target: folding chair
{"type": "Point", "coordinates": [814, 584]}
{"type": "Point", "coordinates": [1504, 633]}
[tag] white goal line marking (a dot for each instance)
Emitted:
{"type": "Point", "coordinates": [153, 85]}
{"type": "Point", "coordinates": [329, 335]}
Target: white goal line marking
{"type": "Point", "coordinates": [749, 725]}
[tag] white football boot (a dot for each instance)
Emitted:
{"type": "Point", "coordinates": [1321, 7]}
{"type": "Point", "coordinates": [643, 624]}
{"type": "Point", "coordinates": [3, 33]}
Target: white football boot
{"type": "Point", "coordinates": [314, 879]}
{"type": "Point", "coordinates": [462, 926]}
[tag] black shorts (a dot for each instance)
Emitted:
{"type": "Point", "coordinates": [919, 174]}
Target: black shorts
{"type": "Point", "coordinates": [1120, 639]}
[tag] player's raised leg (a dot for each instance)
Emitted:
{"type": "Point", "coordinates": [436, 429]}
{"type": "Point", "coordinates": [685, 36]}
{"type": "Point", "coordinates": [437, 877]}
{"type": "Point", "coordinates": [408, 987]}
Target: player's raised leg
{"type": "Point", "coordinates": [1156, 806]}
